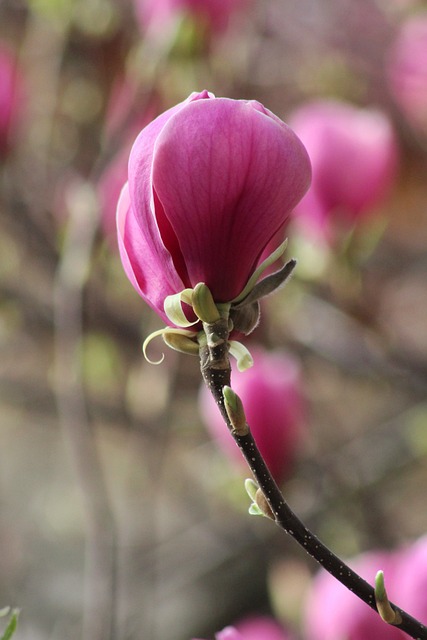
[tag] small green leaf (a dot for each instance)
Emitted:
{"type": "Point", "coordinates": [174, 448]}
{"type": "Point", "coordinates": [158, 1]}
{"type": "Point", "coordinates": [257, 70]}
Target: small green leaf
{"type": "Point", "coordinates": [203, 304]}
{"type": "Point", "coordinates": [251, 488]}
{"type": "Point", "coordinates": [260, 270]}
{"type": "Point", "coordinates": [242, 354]}
{"type": "Point", "coordinates": [386, 611]}
{"type": "Point", "coordinates": [254, 510]}
{"type": "Point", "coordinates": [269, 284]}
{"type": "Point", "coordinates": [166, 331]}
{"type": "Point", "coordinates": [380, 592]}
{"type": "Point", "coordinates": [11, 627]}
{"type": "Point", "coordinates": [236, 414]}
{"type": "Point", "coordinates": [181, 340]}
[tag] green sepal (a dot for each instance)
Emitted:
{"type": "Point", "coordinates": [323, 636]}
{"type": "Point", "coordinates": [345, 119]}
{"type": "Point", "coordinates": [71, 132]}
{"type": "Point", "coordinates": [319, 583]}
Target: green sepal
{"type": "Point", "coordinates": [236, 414]}
{"type": "Point", "coordinates": [12, 624]}
{"type": "Point", "coordinates": [181, 341]}
{"type": "Point", "coordinates": [251, 488]}
{"type": "Point", "coordinates": [242, 355]}
{"type": "Point", "coordinates": [174, 311]}
{"type": "Point", "coordinates": [254, 510]}
{"type": "Point", "coordinates": [203, 304]}
{"type": "Point", "coordinates": [267, 285]}
{"type": "Point", "coordinates": [245, 317]}
{"type": "Point", "coordinates": [259, 271]}
{"type": "Point", "coordinates": [169, 331]}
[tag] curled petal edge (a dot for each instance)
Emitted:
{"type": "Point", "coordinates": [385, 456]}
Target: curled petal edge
{"type": "Point", "coordinates": [175, 312]}
{"type": "Point", "coordinates": [164, 332]}
{"type": "Point", "coordinates": [241, 354]}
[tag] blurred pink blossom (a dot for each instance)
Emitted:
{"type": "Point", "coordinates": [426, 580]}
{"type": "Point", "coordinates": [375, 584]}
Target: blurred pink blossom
{"type": "Point", "coordinates": [254, 628]}
{"type": "Point", "coordinates": [261, 628]}
{"type": "Point", "coordinates": [9, 96]}
{"type": "Point", "coordinates": [333, 612]}
{"type": "Point", "coordinates": [160, 15]}
{"type": "Point", "coordinates": [271, 396]}
{"type": "Point", "coordinates": [407, 70]}
{"type": "Point", "coordinates": [354, 158]}
{"type": "Point", "coordinates": [211, 181]}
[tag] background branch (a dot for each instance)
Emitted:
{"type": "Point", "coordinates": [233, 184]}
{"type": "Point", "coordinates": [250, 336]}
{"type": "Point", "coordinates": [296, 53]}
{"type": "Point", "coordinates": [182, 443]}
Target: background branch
{"type": "Point", "coordinates": [100, 565]}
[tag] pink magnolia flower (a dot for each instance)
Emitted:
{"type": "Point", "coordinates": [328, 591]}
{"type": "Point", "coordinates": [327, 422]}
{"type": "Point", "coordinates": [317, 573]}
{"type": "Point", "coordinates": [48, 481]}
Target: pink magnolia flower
{"type": "Point", "coordinates": [254, 628]}
{"type": "Point", "coordinates": [407, 70]}
{"type": "Point", "coordinates": [160, 14]}
{"type": "Point", "coordinates": [271, 396]}
{"type": "Point", "coordinates": [354, 160]}
{"type": "Point", "coordinates": [333, 612]}
{"type": "Point", "coordinates": [9, 98]}
{"type": "Point", "coordinates": [211, 181]}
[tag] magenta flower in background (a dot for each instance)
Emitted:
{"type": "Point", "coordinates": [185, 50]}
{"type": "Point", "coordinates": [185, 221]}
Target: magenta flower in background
{"type": "Point", "coordinates": [9, 96]}
{"type": "Point", "coordinates": [333, 612]}
{"type": "Point", "coordinates": [158, 15]}
{"type": "Point", "coordinates": [254, 628]}
{"type": "Point", "coordinates": [129, 109]}
{"type": "Point", "coordinates": [211, 181]}
{"type": "Point", "coordinates": [271, 394]}
{"type": "Point", "coordinates": [407, 71]}
{"type": "Point", "coordinates": [261, 628]}
{"type": "Point", "coordinates": [354, 161]}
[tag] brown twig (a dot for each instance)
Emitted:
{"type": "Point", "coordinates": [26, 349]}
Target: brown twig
{"type": "Point", "coordinates": [215, 368]}
{"type": "Point", "coordinates": [100, 566]}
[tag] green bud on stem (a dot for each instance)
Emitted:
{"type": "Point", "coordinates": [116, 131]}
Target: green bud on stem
{"type": "Point", "coordinates": [236, 414]}
{"type": "Point", "coordinates": [386, 611]}
{"type": "Point", "coordinates": [203, 304]}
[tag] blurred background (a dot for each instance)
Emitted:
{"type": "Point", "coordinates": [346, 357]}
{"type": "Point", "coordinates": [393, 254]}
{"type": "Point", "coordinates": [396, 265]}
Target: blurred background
{"type": "Point", "coordinates": [122, 516]}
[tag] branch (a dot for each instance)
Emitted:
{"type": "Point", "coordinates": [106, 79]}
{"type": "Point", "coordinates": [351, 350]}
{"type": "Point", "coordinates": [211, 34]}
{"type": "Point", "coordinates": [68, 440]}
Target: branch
{"type": "Point", "coordinates": [100, 567]}
{"type": "Point", "coordinates": [216, 372]}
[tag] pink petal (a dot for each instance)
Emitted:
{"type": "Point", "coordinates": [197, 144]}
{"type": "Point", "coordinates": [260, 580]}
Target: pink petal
{"type": "Point", "coordinates": [227, 174]}
{"type": "Point", "coordinates": [141, 158]}
{"type": "Point", "coordinates": [146, 262]}
{"type": "Point", "coordinates": [261, 628]}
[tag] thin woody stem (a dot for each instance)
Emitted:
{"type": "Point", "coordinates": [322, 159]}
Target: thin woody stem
{"type": "Point", "coordinates": [216, 372]}
{"type": "Point", "coordinates": [100, 588]}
